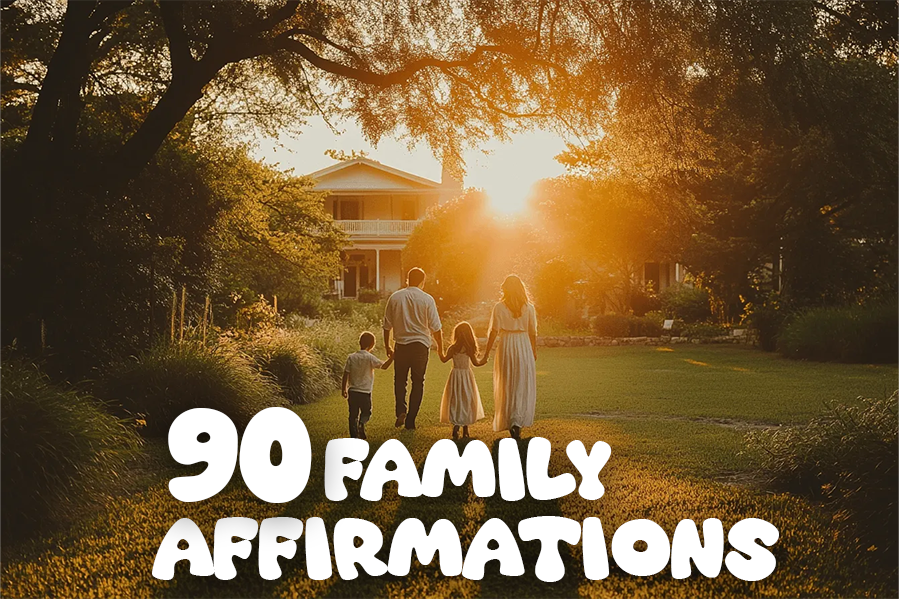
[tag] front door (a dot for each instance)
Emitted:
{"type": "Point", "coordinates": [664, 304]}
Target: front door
{"type": "Point", "coordinates": [349, 281]}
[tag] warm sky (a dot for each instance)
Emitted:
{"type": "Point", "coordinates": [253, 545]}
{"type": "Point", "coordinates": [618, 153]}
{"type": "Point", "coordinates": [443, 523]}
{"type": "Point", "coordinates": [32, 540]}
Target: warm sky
{"type": "Point", "coordinates": [506, 172]}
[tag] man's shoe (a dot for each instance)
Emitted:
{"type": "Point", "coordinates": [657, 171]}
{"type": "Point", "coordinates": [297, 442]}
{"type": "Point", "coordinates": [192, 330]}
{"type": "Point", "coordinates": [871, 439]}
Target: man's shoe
{"type": "Point", "coordinates": [362, 431]}
{"type": "Point", "coordinates": [400, 420]}
{"type": "Point", "coordinates": [410, 427]}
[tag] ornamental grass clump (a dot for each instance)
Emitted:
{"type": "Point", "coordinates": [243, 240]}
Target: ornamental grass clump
{"type": "Point", "coordinates": [299, 370]}
{"type": "Point", "coordinates": [846, 459]}
{"type": "Point", "coordinates": [60, 448]}
{"type": "Point", "coordinates": [165, 381]}
{"type": "Point", "coordinates": [334, 340]}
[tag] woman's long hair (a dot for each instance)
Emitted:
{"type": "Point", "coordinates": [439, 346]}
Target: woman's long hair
{"type": "Point", "coordinates": [515, 295]}
{"type": "Point", "coordinates": [464, 341]}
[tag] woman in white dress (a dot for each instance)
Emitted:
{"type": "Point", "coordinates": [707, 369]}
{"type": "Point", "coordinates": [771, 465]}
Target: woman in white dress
{"type": "Point", "coordinates": [514, 323]}
{"type": "Point", "coordinates": [461, 401]}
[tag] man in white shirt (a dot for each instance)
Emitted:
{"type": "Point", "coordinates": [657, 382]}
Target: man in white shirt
{"type": "Point", "coordinates": [412, 316]}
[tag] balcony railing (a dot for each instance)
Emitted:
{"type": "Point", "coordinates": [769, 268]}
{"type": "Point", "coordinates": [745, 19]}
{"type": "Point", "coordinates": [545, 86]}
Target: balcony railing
{"type": "Point", "coordinates": [377, 228]}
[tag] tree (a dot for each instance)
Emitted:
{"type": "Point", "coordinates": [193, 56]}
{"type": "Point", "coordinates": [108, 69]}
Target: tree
{"type": "Point", "coordinates": [607, 228]}
{"type": "Point", "coordinates": [771, 143]}
{"type": "Point", "coordinates": [145, 71]}
{"type": "Point", "coordinates": [275, 238]}
{"type": "Point", "coordinates": [454, 244]}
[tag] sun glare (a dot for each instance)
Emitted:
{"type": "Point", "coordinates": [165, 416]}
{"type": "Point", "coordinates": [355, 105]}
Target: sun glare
{"type": "Point", "coordinates": [507, 200]}
{"type": "Point", "coordinates": [509, 171]}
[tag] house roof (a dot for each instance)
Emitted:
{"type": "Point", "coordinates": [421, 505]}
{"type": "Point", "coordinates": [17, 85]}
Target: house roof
{"type": "Point", "coordinates": [365, 174]}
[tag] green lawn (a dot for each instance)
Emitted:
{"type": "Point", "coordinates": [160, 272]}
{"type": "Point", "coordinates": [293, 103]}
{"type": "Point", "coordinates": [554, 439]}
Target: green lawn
{"type": "Point", "coordinates": [675, 421]}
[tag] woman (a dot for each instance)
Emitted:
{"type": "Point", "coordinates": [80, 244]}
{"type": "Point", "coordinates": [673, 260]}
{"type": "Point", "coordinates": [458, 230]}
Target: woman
{"type": "Point", "coordinates": [514, 323]}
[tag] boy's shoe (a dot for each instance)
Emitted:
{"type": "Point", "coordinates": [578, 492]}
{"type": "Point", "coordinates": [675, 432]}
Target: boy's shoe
{"type": "Point", "coordinates": [400, 420]}
{"type": "Point", "coordinates": [362, 432]}
{"type": "Point", "coordinates": [515, 432]}
{"type": "Point", "coordinates": [455, 432]}
{"type": "Point", "coordinates": [465, 434]}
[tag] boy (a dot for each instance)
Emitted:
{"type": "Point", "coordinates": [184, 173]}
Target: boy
{"type": "Point", "coordinates": [358, 378]}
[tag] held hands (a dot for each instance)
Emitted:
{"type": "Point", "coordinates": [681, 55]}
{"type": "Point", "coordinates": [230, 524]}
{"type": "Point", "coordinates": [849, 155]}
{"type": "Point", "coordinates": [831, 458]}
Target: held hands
{"type": "Point", "coordinates": [389, 351]}
{"type": "Point", "coordinates": [345, 393]}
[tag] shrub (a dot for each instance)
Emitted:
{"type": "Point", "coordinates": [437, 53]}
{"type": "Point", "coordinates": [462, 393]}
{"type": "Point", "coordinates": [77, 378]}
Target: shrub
{"type": "Point", "coordinates": [846, 458]}
{"type": "Point", "coordinates": [643, 299]}
{"type": "Point", "coordinates": [348, 310]}
{"type": "Point", "coordinates": [258, 315]}
{"type": "Point", "coordinates": [857, 333]}
{"type": "Point", "coordinates": [165, 381]}
{"type": "Point", "coordinates": [616, 325]}
{"type": "Point", "coordinates": [704, 330]}
{"type": "Point", "coordinates": [59, 447]}
{"type": "Point", "coordinates": [299, 370]}
{"type": "Point", "coordinates": [368, 296]}
{"type": "Point", "coordinates": [690, 304]}
{"type": "Point", "coordinates": [648, 325]}
{"type": "Point", "coordinates": [766, 319]}
{"type": "Point", "coordinates": [611, 325]}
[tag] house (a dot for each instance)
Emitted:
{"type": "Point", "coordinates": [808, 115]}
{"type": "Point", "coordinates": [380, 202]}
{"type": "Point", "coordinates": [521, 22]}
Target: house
{"type": "Point", "coordinates": [378, 206]}
{"type": "Point", "coordinates": [662, 275]}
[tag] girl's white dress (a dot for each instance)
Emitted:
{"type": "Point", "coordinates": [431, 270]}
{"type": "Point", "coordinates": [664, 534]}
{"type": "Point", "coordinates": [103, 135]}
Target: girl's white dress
{"type": "Point", "coordinates": [461, 402]}
{"type": "Point", "coordinates": [514, 368]}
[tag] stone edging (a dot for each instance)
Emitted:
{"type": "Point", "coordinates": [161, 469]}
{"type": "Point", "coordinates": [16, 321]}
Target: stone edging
{"type": "Point", "coordinates": [595, 341]}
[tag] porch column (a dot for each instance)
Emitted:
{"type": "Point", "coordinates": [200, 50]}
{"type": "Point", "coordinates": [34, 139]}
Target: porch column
{"type": "Point", "coordinates": [377, 270]}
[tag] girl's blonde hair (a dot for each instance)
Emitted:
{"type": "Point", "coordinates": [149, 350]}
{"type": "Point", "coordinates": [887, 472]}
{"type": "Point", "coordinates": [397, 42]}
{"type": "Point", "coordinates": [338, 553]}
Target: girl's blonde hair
{"type": "Point", "coordinates": [464, 340]}
{"type": "Point", "coordinates": [514, 295]}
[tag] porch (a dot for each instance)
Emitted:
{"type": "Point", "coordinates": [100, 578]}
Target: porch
{"type": "Point", "coordinates": [375, 268]}
{"type": "Point", "coordinates": [382, 229]}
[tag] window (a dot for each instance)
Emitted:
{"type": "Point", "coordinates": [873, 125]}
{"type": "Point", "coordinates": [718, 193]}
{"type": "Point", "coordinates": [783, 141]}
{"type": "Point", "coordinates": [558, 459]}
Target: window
{"type": "Point", "coordinates": [350, 209]}
{"type": "Point", "coordinates": [409, 210]}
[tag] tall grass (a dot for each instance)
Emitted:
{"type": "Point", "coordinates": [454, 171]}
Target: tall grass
{"type": "Point", "coordinates": [59, 448]}
{"type": "Point", "coordinates": [160, 384]}
{"type": "Point", "coordinates": [857, 333]}
{"type": "Point", "coordinates": [848, 460]}
{"type": "Point", "coordinates": [336, 336]}
{"type": "Point", "coordinates": [298, 369]}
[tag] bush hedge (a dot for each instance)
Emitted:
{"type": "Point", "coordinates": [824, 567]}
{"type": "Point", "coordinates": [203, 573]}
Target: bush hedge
{"type": "Point", "coordinates": [617, 325]}
{"type": "Point", "coordinates": [59, 448]}
{"type": "Point", "coordinates": [299, 370]}
{"type": "Point", "coordinates": [690, 304]}
{"type": "Point", "coordinates": [856, 333]}
{"type": "Point", "coordinates": [160, 384]}
{"type": "Point", "coordinates": [847, 459]}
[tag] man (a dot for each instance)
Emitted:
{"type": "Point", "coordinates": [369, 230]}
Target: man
{"type": "Point", "coordinates": [412, 316]}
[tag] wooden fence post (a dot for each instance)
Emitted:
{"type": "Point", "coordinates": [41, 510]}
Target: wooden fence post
{"type": "Point", "coordinates": [205, 313]}
{"type": "Point", "coordinates": [183, 297]}
{"type": "Point", "coordinates": [174, 306]}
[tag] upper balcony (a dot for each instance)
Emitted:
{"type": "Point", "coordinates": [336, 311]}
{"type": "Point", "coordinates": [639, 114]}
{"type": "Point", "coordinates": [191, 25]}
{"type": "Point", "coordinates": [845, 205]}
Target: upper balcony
{"type": "Point", "coordinates": [381, 229]}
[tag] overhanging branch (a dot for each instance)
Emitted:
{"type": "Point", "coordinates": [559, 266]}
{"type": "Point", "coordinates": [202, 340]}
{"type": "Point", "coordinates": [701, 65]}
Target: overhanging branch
{"type": "Point", "coordinates": [172, 14]}
{"type": "Point", "coordinates": [380, 79]}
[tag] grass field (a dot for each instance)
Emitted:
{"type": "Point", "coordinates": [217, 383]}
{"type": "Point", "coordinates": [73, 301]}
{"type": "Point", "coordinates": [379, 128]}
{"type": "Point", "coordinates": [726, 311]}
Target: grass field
{"type": "Point", "coordinates": [675, 419]}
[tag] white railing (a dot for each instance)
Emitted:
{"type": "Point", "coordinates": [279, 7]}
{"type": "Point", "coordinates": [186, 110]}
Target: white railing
{"type": "Point", "coordinates": [377, 228]}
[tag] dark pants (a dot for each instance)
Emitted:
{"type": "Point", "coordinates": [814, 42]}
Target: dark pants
{"type": "Point", "coordinates": [410, 358]}
{"type": "Point", "coordinates": [360, 411]}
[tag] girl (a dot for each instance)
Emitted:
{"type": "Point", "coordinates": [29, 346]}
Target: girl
{"type": "Point", "coordinates": [514, 323]}
{"type": "Point", "coordinates": [461, 402]}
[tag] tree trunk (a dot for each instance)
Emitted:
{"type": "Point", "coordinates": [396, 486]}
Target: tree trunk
{"type": "Point", "coordinates": [57, 82]}
{"type": "Point", "coordinates": [172, 107]}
